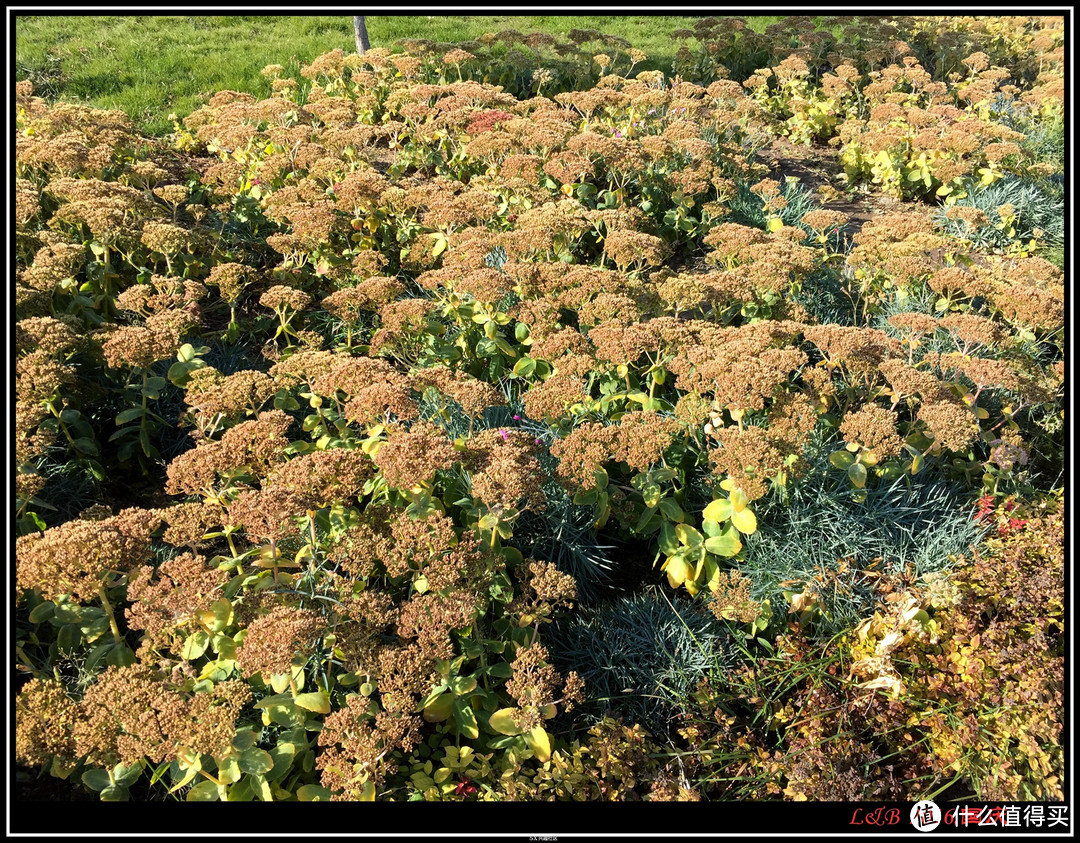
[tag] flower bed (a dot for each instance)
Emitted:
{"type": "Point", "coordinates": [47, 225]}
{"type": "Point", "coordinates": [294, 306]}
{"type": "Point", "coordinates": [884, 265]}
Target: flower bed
{"type": "Point", "coordinates": [399, 438]}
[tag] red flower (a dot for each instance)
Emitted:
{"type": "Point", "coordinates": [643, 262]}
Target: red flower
{"type": "Point", "coordinates": [465, 788]}
{"type": "Point", "coordinates": [1013, 525]}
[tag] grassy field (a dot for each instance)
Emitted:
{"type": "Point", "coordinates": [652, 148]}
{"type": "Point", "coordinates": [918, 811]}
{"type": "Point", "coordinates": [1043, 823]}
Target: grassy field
{"type": "Point", "coordinates": [151, 66]}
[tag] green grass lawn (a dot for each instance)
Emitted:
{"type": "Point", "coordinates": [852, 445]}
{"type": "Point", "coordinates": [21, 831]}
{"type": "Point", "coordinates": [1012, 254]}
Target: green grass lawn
{"type": "Point", "coordinates": [151, 66]}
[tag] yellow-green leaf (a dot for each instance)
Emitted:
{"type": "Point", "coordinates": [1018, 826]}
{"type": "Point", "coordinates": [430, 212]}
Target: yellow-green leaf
{"type": "Point", "coordinates": [439, 708]}
{"type": "Point", "coordinates": [841, 459]}
{"type": "Point", "coordinates": [719, 510]}
{"type": "Point", "coordinates": [726, 546]}
{"type": "Point", "coordinates": [313, 793]}
{"type": "Point", "coordinates": [688, 535]}
{"type": "Point", "coordinates": [677, 571]}
{"type": "Point", "coordinates": [314, 701]}
{"type": "Point", "coordinates": [279, 682]}
{"type": "Point", "coordinates": [502, 721]}
{"type": "Point", "coordinates": [745, 521]}
{"type": "Point", "coordinates": [711, 573]}
{"type": "Point", "coordinates": [857, 474]}
{"type": "Point", "coordinates": [540, 742]}
{"type": "Point", "coordinates": [195, 645]}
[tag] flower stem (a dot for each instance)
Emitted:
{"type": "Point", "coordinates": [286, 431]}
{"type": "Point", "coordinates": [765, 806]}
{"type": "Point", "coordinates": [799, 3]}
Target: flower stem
{"type": "Point", "coordinates": [109, 612]}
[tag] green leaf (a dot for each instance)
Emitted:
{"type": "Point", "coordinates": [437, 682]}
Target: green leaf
{"type": "Point", "coordinates": [189, 774]}
{"type": "Point", "coordinates": [502, 721]}
{"type": "Point", "coordinates": [677, 570]}
{"type": "Point", "coordinates": [69, 637]}
{"type": "Point", "coordinates": [255, 761]}
{"type": "Point", "coordinates": [857, 475]}
{"type": "Point", "coordinates": [229, 771]}
{"type": "Point", "coordinates": [224, 646]}
{"type": "Point", "coordinates": [718, 510]}
{"type": "Point", "coordinates": [130, 414]}
{"type": "Point", "coordinates": [841, 459]}
{"type": "Point", "coordinates": [285, 715]}
{"type": "Point", "coordinates": [97, 779]}
{"type": "Point", "coordinates": [42, 612]}
{"type": "Point", "coordinates": [243, 740]}
{"type": "Point", "coordinates": [671, 509]}
{"type": "Point", "coordinates": [261, 788]}
{"type": "Point", "coordinates": [505, 347]}
{"type": "Point", "coordinates": [86, 446]}
{"type": "Point", "coordinates": [276, 699]}
{"type": "Point", "coordinates": [195, 645]}
{"type": "Point", "coordinates": [120, 655]}
{"type": "Point", "coordinates": [315, 701]}
{"type": "Point", "coordinates": [726, 546]}
{"type": "Point", "coordinates": [647, 517]}
{"type": "Point", "coordinates": [126, 776]}
{"type": "Point", "coordinates": [710, 573]}
{"type": "Point", "coordinates": [465, 719]}
{"type": "Point", "coordinates": [524, 367]}
{"type": "Point", "coordinates": [501, 670]}
{"type": "Point", "coordinates": [313, 793]}
{"type": "Point", "coordinates": [714, 528]}
{"type": "Point", "coordinates": [283, 754]}
{"type": "Point", "coordinates": [115, 793]}
{"type": "Point", "coordinates": [204, 791]}
{"type": "Point", "coordinates": [669, 542]}
{"type": "Point", "coordinates": [159, 771]}
{"type": "Point", "coordinates": [652, 493]}
{"type": "Point", "coordinates": [463, 685]}
{"type": "Point", "coordinates": [31, 523]}
{"type": "Point", "coordinates": [439, 708]}
{"type": "Point", "coordinates": [144, 441]}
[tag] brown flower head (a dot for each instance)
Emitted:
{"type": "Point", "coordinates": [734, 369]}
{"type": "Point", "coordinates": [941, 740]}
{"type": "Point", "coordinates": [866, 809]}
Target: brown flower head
{"type": "Point", "coordinates": [275, 639]}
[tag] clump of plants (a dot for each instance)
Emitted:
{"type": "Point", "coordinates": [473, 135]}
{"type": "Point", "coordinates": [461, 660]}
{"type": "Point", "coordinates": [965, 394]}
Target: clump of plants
{"type": "Point", "coordinates": [402, 438]}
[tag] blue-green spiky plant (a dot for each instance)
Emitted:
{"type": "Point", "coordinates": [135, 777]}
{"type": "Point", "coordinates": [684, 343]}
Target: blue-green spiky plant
{"type": "Point", "coordinates": [917, 523]}
{"type": "Point", "coordinates": [641, 655]}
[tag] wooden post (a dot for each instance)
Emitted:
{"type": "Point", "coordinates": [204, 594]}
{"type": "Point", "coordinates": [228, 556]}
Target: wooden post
{"type": "Point", "coordinates": [360, 30]}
